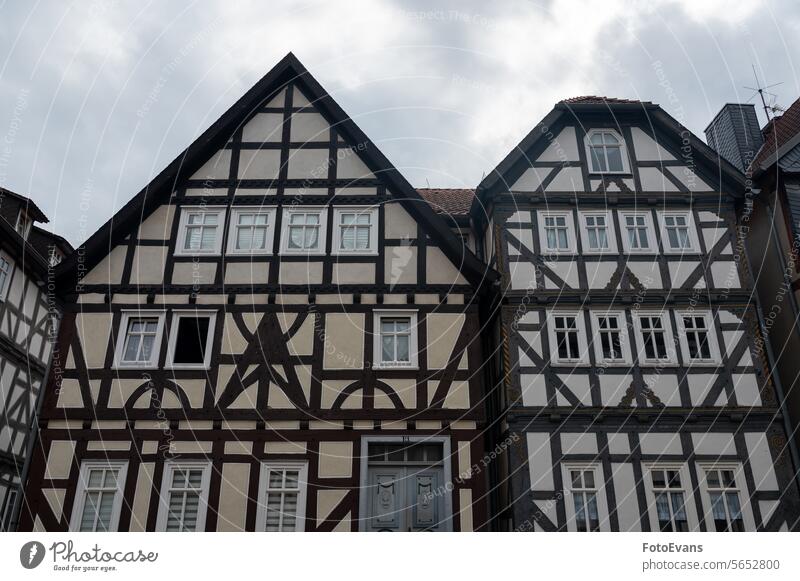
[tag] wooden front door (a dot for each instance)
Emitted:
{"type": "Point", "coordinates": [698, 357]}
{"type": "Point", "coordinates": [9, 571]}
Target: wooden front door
{"type": "Point", "coordinates": [406, 488]}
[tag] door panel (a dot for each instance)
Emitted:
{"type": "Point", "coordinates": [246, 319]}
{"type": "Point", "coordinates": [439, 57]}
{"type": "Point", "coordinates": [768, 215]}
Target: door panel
{"type": "Point", "coordinates": [387, 496]}
{"type": "Point", "coordinates": [426, 511]}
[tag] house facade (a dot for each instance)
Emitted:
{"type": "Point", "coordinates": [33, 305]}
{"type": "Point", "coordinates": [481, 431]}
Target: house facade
{"type": "Point", "coordinates": [635, 390]}
{"type": "Point", "coordinates": [29, 316]}
{"type": "Point", "coordinates": [278, 333]}
{"type": "Point", "coordinates": [771, 226]}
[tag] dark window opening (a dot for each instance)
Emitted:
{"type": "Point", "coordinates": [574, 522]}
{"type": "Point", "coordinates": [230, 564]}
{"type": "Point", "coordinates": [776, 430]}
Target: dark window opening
{"type": "Point", "coordinates": [190, 340]}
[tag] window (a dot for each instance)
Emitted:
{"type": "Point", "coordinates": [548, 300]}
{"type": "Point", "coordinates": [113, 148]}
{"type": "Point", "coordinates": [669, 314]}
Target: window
{"type": "Point", "coordinates": [191, 333]}
{"type": "Point", "coordinates": [697, 337]}
{"type": "Point", "coordinates": [6, 270]}
{"type": "Point", "coordinates": [637, 232]}
{"type": "Point", "coordinates": [282, 500]}
{"type": "Point", "coordinates": [200, 230]}
{"type": "Point", "coordinates": [655, 338]}
{"type": "Point", "coordinates": [596, 233]}
{"type": "Point", "coordinates": [99, 497]}
{"type": "Point", "coordinates": [395, 343]}
{"type": "Point", "coordinates": [583, 488]}
{"type": "Point", "coordinates": [24, 224]}
{"type": "Point", "coordinates": [251, 230]}
{"type": "Point", "coordinates": [304, 230]}
{"type": "Point", "coordinates": [606, 152]}
{"type": "Point", "coordinates": [55, 256]}
{"type": "Point", "coordinates": [356, 231]}
{"type": "Point", "coordinates": [567, 335]}
{"type": "Point", "coordinates": [678, 233]}
{"type": "Point", "coordinates": [139, 341]}
{"type": "Point", "coordinates": [556, 232]}
{"type": "Point", "coordinates": [7, 513]}
{"type": "Point", "coordinates": [669, 499]}
{"type": "Point", "coordinates": [726, 510]}
{"type": "Point", "coordinates": [184, 497]}
{"type": "Point", "coordinates": [611, 338]}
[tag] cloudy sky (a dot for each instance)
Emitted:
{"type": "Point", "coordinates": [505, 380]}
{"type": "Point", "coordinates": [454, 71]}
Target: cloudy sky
{"type": "Point", "coordinates": [97, 97]}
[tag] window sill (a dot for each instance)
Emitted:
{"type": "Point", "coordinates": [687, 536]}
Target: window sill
{"type": "Point", "coordinates": [133, 366]}
{"type": "Point", "coordinates": [389, 367]}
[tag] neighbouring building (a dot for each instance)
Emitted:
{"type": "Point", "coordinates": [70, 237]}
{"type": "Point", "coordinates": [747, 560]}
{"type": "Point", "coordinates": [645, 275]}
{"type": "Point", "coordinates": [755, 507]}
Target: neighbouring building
{"type": "Point", "coordinates": [771, 227]}
{"type": "Point", "coordinates": [29, 316]}
{"type": "Point", "coordinates": [277, 333]}
{"type": "Point", "coordinates": [636, 394]}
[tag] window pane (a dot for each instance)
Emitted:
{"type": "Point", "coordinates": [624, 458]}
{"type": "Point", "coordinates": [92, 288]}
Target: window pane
{"type": "Point", "coordinates": [614, 158]}
{"type": "Point", "coordinates": [190, 342]}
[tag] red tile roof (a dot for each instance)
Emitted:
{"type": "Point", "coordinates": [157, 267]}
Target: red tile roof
{"type": "Point", "coordinates": [452, 201]}
{"type": "Point", "coordinates": [594, 100]}
{"type": "Point", "coordinates": [779, 131]}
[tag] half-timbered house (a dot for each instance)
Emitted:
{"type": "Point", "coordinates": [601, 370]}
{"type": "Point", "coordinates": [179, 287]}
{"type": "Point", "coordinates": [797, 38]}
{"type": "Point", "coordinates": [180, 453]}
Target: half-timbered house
{"type": "Point", "coordinates": [29, 313]}
{"type": "Point", "coordinates": [277, 333]}
{"type": "Point", "coordinates": [634, 393]}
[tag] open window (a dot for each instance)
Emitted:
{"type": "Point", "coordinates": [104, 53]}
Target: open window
{"type": "Point", "coordinates": [24, 223]}
{"type": "Point", "coordinates": [190, 339]}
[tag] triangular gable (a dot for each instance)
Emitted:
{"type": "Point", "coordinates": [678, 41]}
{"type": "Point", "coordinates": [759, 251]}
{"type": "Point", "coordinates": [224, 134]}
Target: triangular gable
{"type": "Point", "coordinates": [206, 158]}
{"type": "Point", "coordinates": [537, 141]}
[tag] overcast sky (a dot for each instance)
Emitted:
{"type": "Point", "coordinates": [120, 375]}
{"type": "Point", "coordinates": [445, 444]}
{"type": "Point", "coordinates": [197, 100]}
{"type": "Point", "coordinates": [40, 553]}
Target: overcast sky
{"type": "Point", "coordinates": [98, 97]}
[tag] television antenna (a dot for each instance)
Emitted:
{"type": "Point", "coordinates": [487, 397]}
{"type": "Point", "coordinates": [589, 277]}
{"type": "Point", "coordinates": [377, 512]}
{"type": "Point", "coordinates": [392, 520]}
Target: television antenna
{"type": "Point", "coordinates": [761, 92]}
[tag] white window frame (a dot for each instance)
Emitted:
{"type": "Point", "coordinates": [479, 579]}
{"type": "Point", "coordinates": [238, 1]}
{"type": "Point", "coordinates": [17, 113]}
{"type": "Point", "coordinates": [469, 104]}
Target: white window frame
{"type": "Point", "coordinates": [236, 211]}
{"type": "Point", "coordinates": [570, 225]}
{"type": "Point", "coordinates": [261, 516]}
{"type": "Point", "coordinates": [610, 234]}
{"type": "Point", "coordinates": [626, 166]}
{"type": "Point", "coordinates": [713, 344]}
{"type": "Point", "coordinates": [25, 221]}
{"type": "Point", "coordinates": [625, 345]}
{"type": "Point", "coordinates": [373, 230]}
{"type": "Point", "coordinates": [583, 347]}
{"type": "Point", "coordinates": [166, 485]}
{"type": "Point", "coordinates": [122, 336]}
{"type": "Point", "coordinates": [413, 346]}
{"type": "Point", "coordinates": [7, 512]}
{"type": "Point", "coordinates": [741, 488]}
{"type": "Point", "coordinates": [186, 211]}
{"type": "Point", "coordinates": [599, 485]}
{"type": "Point", "coordinates": [177, 314]}
{"type": "Point", "coordinates": [651, 233]}
{"type": "Point", "coordinates": [688, 496]}
{"type": "Point", "coordinates": [80, 494]}
{"type": "Point", "coordinates": [10, 274]}
{"type": "Point", "coordinates": [323, 229]}
{"type": "Point", "coordinates": [669, 339]}
{"type": "Point", "coordinates": [691, 231]}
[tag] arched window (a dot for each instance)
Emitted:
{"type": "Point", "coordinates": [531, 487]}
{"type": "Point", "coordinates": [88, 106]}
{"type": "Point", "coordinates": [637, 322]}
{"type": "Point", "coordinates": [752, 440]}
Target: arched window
{"type": "Point", "coordinates": [606, 152]}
